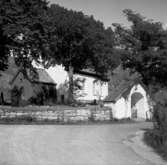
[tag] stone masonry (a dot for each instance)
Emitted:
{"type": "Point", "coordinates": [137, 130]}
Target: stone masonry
{"type": "Point", "coordinates": [59, 115]}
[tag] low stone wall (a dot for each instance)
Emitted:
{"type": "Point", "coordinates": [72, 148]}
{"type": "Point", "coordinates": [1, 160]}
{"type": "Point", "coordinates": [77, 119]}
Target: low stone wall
{"type": "Point", "coordinates": [71, 115]}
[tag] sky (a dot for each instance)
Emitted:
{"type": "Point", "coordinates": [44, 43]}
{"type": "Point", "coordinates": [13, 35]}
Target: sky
{"type": "Point", "coordinates": [110, 11]}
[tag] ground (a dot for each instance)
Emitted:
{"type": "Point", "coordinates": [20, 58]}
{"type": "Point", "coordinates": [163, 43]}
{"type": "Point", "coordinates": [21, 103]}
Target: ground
{"type": "Point", "coordinates": [98, 144]}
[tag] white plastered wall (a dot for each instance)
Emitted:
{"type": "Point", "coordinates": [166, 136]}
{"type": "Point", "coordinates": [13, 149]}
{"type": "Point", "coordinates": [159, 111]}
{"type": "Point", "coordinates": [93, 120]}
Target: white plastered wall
{"type": "Point", "coordinates": [88, 88]}
{"type": "Point", "coordinates": [122, 107]}
{"type": "Point", "coordinates": [145, 112]}
{"type": "Point", "coordinates": [119, 108]}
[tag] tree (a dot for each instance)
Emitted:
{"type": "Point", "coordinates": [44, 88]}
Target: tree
{"type": "Point", "coordinates": [103, 55]}
{"type": "Point", "coordinates": [24, 30]}
{"type": "Point", "coordinates": [81, 40]}
{"type": "Point", "coordinates": [145, 48]}
{"type": "Point", "coordinates": [71, 41]}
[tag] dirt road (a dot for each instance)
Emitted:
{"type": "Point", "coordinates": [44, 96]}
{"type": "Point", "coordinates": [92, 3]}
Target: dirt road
{"type": "Point", "coordinates": [69, 144]}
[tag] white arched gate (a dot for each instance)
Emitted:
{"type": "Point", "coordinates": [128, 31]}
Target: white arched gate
{"type": "Point", "coordinates": [138, 106]}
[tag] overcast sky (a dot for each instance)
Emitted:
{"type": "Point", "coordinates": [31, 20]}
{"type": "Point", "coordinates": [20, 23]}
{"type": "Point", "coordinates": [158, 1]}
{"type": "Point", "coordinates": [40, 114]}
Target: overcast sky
{"type": "Point", "coordinates": [110, 11]}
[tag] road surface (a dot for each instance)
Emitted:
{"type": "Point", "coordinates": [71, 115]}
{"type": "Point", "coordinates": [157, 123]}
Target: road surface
{"type": "Point", "coordinates": [101, 144]}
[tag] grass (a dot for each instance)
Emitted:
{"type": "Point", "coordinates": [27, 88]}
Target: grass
{"type": "Point", "coordinates": [153, 139]}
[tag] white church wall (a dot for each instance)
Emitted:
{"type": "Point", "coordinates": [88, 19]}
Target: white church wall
{"type": "Point", "coordinates": [91, 90]}
{"type": "Point", "coordinates": [104, 90]}
{"type": "Point", "coordinates": [60, 76]}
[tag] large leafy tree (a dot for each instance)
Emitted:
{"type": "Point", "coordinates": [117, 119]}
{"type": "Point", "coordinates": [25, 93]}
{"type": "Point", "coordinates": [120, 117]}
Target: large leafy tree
{"type": "Point", "coordinates": [81, 42]}
{"type": "Point", "coordinates": [102, 42]}
{"type": "Point", "coordinates": [144, 48]}
{"type": "Point", "coordinates": [70, 48]}
{"type": "Point", "coordinates": [24, 31]}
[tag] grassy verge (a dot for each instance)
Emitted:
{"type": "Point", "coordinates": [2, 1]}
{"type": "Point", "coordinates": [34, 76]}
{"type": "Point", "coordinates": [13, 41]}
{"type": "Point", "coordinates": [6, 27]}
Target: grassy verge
{"type": "Point", "coordinates": [154, 139]}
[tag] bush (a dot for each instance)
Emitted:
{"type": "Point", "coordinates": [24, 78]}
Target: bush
{"type": "Point", "coordinates": [160, 124]}
{"type": "Point", "coordinates": [154, 138]}
{"type": "Point", "coordinates": [38, 99]}
{"type": "Point", "coordinates": [160, 118]}
{"type": "Point", "coordinates": [157, 137]}
{"type": "Point", "coordinates": [16, 95]}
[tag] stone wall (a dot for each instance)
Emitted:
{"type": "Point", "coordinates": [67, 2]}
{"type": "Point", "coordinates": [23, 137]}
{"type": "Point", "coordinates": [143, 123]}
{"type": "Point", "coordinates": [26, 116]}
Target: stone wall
{"type": "Point", "coordinates": [58, 115]}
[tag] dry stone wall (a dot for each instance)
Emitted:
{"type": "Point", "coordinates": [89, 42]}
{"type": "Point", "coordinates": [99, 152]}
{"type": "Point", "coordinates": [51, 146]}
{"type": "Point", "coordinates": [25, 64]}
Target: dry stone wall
{"type": "Point", "coordinates": [58, 115]}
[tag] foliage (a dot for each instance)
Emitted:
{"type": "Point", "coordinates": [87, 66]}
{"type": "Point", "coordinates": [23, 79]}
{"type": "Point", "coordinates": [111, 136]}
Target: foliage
{"type": "Point", "coordinates": [103, 56]}
{"type": "Point", "coordinates": [16, 95]}
{"type": "Point", "coordinates": [24, 30]}
{"type": "Point", "coordinates": [82, 41]}
{"type": "Point", "coordinates": [38, 99]}
{"type": "Point", "coordinates": [71, 37]}
{"type": "Point", "coordinates": [155, 139]}
{"type": "Point", "coordinates": [144, 47]}
{"type": "Point", "coordinates": [78, 87]}
{"type": "Point", "coordinates": [160, 115]}
{"type": "Point", "coordinates": [47, 93]}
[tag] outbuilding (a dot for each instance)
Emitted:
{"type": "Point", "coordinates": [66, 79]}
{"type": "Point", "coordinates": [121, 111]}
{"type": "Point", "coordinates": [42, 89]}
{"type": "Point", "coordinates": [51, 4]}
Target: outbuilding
{"type": "Point", "coordinates": [129, 100]}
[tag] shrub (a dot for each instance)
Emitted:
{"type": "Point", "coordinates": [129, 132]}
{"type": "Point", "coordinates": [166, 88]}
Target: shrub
{"type": "Point", "coordinates": [158, 136]}
{"type": "Point", "coordinates": [160, 123]}
{"type": "Point", "coordinates": [38, 99]}
{"type": "Point", "coordinates": [16, 95]}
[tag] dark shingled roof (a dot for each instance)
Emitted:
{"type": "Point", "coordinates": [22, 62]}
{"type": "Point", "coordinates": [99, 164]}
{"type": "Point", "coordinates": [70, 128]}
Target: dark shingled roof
{"type": "Point", "coordinates": [121, 90]}
{"type": "Point", "coordinates": [121, 82]}
{"type": "Point", "coordinates": [92, 73]}
{"type": "Point", "coordinates": [42, 77]}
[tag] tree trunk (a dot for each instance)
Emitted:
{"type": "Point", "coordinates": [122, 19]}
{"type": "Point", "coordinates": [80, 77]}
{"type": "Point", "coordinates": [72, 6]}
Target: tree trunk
{"type": "Point", "coordinates": [71, 85]}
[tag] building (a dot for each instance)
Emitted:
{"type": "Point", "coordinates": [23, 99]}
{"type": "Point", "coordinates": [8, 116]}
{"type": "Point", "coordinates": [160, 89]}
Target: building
{"type": "Point", "coordinates": [29, 86]}
{"type": "Point", "coordinates": [91, 86]}
{"type": "Point", "coordinates": [94, 88]}
{"type": "Point", "coordinates": [129, 100]}
{"type": "Point", "coordinates": [127, 96]}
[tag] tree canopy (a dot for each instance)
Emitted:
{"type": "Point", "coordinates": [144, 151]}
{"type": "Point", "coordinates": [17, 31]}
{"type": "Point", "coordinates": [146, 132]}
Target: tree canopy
{"type": "Point", "coordinates": [24, 30]}
{"type": "Point", "coordinates": [82, 41]}
{"type": "Point", "coordinates": [35, 31]}
{"type": "Point", "coordinates": [143, 47]}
